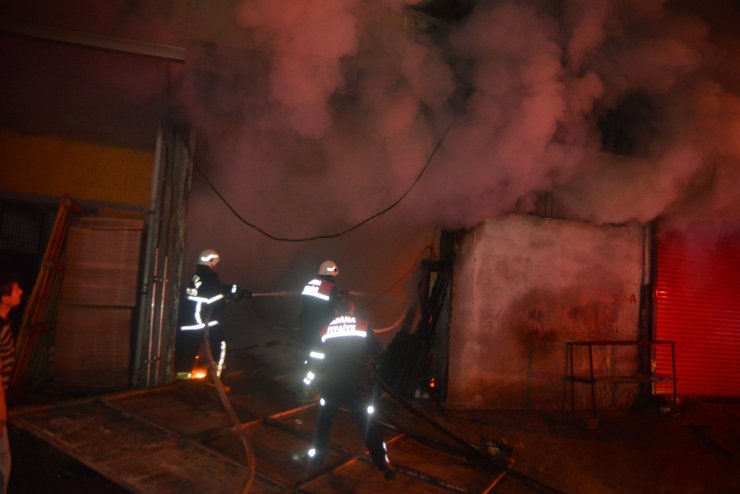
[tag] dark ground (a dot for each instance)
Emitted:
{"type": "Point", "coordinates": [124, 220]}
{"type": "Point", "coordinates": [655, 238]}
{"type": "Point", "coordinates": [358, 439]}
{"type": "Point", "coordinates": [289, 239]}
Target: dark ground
{"type": "Point", "coordinates": [695, 450]}
{"type": "Point", "coordinates": [41, 468]}
{"type": "Point", "coordinates": [38, 467]}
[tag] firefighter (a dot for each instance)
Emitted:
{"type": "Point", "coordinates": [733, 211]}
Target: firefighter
{"type": "Point", "coordinates": [318, 303]}
{"type": "Point", "coordinates": [342, 365]}
{"type": "Point", "coordinates": [205, 297]}
{"type": "Point", "coordinates": [318, 299]}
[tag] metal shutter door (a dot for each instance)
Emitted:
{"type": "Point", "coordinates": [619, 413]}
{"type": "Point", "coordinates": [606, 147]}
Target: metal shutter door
{"type": "Point", "coordinates": [697, 296]}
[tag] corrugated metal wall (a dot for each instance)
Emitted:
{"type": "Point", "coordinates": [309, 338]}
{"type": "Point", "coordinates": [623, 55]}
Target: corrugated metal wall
{"type": "Point", "coordinates": [697, 295]}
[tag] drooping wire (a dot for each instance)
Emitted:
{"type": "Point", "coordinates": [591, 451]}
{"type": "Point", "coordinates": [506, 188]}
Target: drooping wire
{"type": "Point", "coordinates": [331, 235]}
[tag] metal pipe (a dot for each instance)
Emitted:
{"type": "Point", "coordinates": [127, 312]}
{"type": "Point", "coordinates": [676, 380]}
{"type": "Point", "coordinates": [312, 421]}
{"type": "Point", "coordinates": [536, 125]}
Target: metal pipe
{"type": "Point", "coordinates": [161, 320]}
{"type": "Point", "coordinates": [152, 305]}
{"type": "Point", "coordinates": [147, 276]}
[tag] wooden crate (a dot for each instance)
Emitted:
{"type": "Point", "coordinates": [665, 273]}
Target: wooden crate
{"type": "Point", "coordinates": [93, 346]}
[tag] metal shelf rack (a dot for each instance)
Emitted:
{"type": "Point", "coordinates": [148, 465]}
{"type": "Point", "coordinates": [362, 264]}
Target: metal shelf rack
{"type": "Point", "coordinates": [592, 379]}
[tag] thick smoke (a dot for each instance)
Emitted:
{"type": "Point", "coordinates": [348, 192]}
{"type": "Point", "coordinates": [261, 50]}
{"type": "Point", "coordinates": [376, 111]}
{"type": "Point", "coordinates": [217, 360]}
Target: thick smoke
{"type": "Point", "coordinates": [620, 109]}
{"type": "Point", "coordinates": [338, 96]}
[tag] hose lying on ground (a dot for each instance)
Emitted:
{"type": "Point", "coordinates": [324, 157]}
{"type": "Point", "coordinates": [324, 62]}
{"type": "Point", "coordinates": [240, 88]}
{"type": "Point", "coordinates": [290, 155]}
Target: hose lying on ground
{"type": "Point", "coordinates": [248, 451]}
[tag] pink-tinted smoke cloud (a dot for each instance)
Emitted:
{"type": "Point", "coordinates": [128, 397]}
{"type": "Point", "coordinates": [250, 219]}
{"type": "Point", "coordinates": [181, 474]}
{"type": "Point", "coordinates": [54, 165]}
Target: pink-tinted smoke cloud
{"type": "Point", "coordinates": [333, 108]}
{"type": "Point", "coordinates": [348, 100]}
{"type": "Point", "coordinates": [682, 62]}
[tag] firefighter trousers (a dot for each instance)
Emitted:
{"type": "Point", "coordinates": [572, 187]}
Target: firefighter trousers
{"type": "Point", "coordinates": [362, 414]}
{"type": "Point", "coordinates": [189, 343]}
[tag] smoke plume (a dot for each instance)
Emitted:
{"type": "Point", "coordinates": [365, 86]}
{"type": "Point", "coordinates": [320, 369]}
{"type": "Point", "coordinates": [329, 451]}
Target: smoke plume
{"type": "Point", "coordinates": [620, 109]}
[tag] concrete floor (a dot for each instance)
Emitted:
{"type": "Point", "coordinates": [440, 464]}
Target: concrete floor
{"type": "Point", "coordinates": [695, 450]}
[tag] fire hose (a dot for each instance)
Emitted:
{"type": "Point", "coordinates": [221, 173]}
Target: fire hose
{"type": "Point", "coordinates": [280, 293]}
{"type": "Point", "coordinates": [293, 293]}
{"type": "Point", "coordinates": [248, 451]}
{"type": "Point", "coordinates": [386, 329]}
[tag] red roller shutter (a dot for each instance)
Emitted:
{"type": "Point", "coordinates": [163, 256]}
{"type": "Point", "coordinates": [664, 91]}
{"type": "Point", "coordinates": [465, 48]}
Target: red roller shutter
{"type": "Point", "coordinates": [697, 295]}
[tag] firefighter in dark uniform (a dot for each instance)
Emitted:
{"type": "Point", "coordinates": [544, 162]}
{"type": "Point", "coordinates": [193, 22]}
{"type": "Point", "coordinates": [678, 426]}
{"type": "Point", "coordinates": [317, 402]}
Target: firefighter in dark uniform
{"type": "Point", "coordinates": [205, 297]}
{"type": "Point", "coordinates": [318, 300]}
{"type": "Point", "coordinates": [342, 365]}
{"type": "Point", "coordinates": [318, 303]}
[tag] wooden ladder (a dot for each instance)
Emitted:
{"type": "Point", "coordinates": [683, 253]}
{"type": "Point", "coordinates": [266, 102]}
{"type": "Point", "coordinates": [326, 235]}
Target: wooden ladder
{"type": "Point", "coordinates": [35, 339]}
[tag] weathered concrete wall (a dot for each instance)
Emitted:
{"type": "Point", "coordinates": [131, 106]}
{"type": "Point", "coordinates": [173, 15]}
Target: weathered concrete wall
{"type": "Point", "coordinates": [523, 286]}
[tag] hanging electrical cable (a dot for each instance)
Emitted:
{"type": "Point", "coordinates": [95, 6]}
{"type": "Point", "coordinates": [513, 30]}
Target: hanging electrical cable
{"type": "Point", "coordinates": [331, 235]}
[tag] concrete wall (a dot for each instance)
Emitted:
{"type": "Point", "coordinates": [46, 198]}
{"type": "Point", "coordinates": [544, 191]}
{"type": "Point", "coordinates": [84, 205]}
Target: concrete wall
{"type": "Point", "coordinates": [523, 286]}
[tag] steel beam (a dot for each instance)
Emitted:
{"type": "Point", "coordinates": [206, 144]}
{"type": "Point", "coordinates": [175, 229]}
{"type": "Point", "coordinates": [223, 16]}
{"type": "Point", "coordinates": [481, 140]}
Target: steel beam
{"type": "Point", "coordinates": [125, 45]}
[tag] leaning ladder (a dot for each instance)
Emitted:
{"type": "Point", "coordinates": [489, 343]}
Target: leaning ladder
{"type": "Point", "coordinates": [35, 339]}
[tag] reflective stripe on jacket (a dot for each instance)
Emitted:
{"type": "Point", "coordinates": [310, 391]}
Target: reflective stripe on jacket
{"type": "Point", "coordinates": [317, 288]}
{"type": "Point", "coordinates": [205, 294]}
{"type": "Point", "coordinates": [345, 327]}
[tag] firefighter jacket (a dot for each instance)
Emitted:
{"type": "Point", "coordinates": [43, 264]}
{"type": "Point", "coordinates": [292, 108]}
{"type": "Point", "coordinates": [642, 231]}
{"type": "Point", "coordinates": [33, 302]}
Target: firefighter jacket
{"type": "Point", "coordinates": [205, 296]}
{"type": "Point", "coordinates": [318, 299]}
{"type": "Point", "coordinates": [344, 360]}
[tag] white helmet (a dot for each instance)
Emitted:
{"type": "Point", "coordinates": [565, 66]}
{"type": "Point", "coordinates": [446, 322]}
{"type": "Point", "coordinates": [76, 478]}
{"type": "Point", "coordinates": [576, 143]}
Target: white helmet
{"type": "Point", "coordinates": [208, 257]}
{"type": "Point", "coordinates": [329, 268]}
